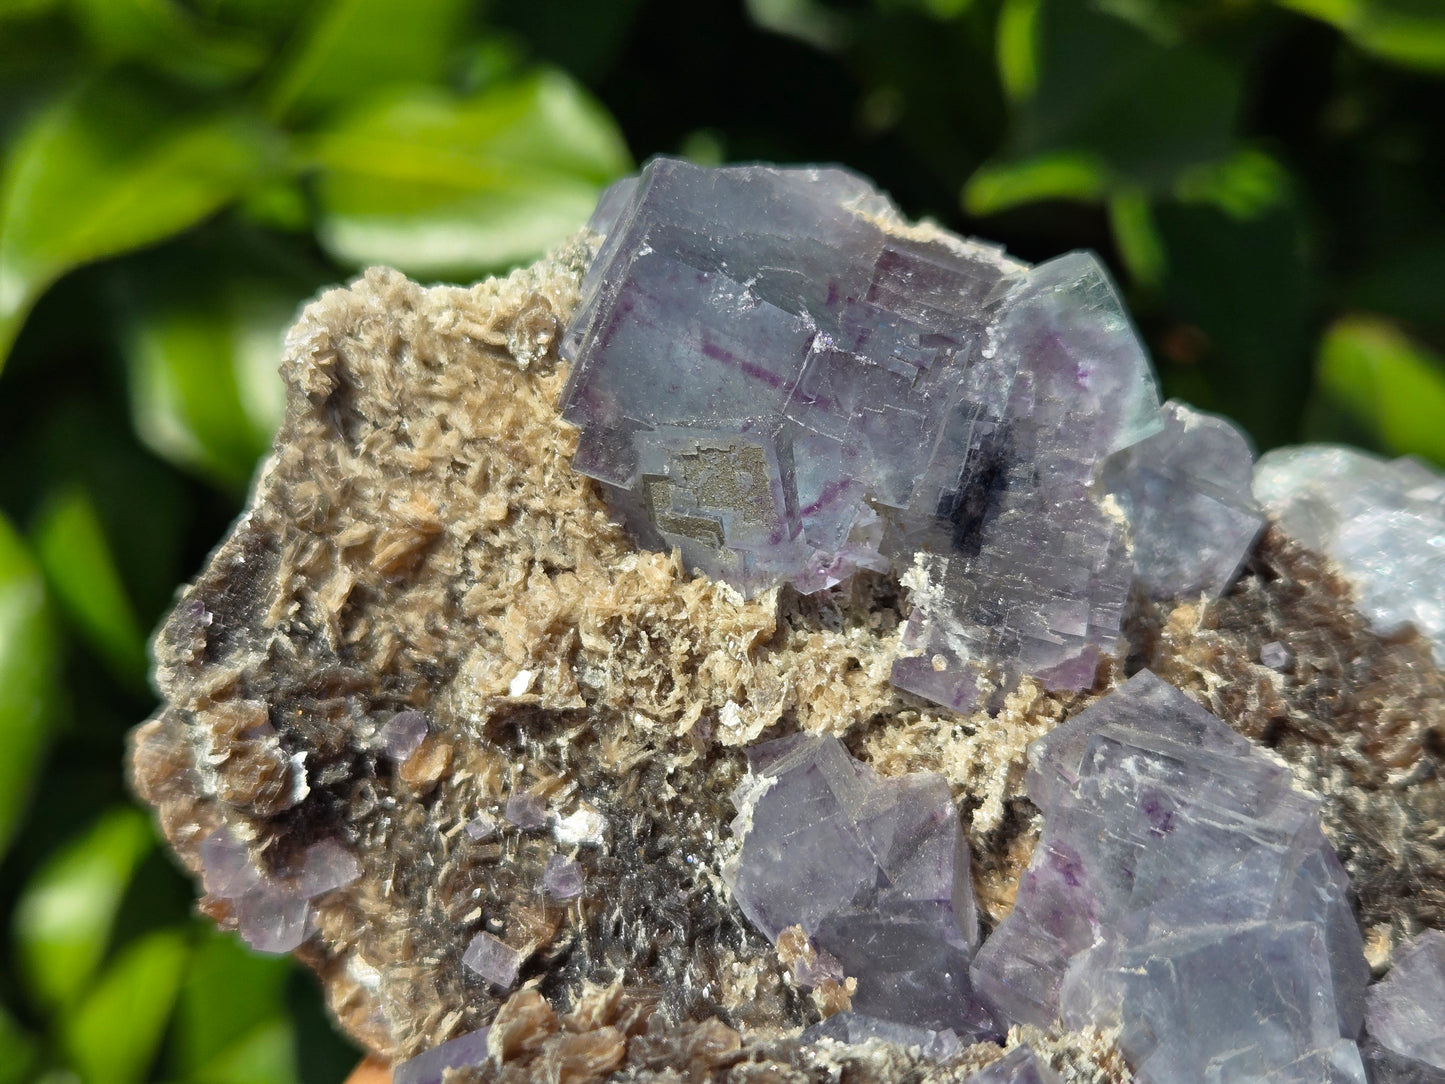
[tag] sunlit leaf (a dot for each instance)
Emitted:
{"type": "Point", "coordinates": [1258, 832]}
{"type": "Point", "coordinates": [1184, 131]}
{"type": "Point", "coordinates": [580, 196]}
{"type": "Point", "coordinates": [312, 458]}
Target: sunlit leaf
{"type": "Point", "coordinates": [64, 916]}
{"type": "Point", "coordinates": [169, 37]}
{"type": "Point", "coordinates": [1409, 32]}
{"type": "Point", "coordinates": [18, 1050]}
{"type": "Point", "coordinates": [350, 48]}
{"type": "Point", "coordinates": [202, 369]}
{"type": "Point", "coordinates": [108, 169]}
{"type": "Point", "coordinates": [72, 548]}
{"type": "Point", "coordinates": [114, 1032]}
{"type": "Point", "coordinates": [1244, 185]}
{"type": "Point", "coordinates": [1018, 47]}
{"type": "Point", "coordinates": [997, 186]}
{"type": "Point", "coordinates": [1391, 385]}
{"type": "Point", "coordinates": [28, 668]}
{"type": "Point", "coordinates": [264, 1055]}
{"type": "Point", "coordinates": [440, 187]}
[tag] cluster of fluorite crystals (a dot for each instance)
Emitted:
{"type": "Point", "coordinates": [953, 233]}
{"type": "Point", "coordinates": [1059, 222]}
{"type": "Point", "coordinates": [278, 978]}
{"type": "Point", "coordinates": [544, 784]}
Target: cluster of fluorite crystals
{"type": "Point", "coordinates": [775, 374]}
{"type": "Point", "coordinates": [1183, 891]}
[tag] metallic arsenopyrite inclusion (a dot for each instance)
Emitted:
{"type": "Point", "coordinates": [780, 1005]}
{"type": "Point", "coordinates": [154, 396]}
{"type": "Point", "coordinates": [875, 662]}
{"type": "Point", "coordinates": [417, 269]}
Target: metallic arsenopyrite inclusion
{"type": "Point", "coordinates": [780, 377]}
{"type": "Point", "coordinates": [1182, 890]}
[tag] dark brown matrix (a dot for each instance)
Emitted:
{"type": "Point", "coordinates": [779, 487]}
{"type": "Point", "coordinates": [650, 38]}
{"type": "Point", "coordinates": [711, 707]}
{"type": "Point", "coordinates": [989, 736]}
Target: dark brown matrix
{"type": "Point", "coordinates": [419, 541]}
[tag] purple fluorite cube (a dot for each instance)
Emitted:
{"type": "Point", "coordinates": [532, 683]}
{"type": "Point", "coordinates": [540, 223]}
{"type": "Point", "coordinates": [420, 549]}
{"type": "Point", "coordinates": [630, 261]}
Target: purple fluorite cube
{"type": "Point", "coordinates": [874, 870]}
{"type": "Point", "coordinates": [1405, 1012]}
{"type": "Point", "coordinates": [429, 1067]}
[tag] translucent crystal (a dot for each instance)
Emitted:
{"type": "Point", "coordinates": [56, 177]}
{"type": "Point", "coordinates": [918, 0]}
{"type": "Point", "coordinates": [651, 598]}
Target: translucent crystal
{"type": "Point", "coordinates": [1380, 521]}
{"type": "Point", "coordinates": [526, 810]}
{"type": "Point", "coordinates": [493, 959]}
{"type": "Point", "coordinates": [1182, 890]}
{"type": "Point", "coordinates": [1187, 492]}
{"type": "Point", "coordinates": [562, 878]}
{"type": "Point", "coordinates": [429, 1067]}
{"type": "Point", "coordinates": [1405, 1012]}
{"type": "Point", "coordinates": [874, 870]}
{"type": "Point", "coordinates": [402, 733]}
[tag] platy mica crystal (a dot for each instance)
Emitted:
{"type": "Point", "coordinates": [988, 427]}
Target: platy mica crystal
{"type": "Point", "coordinates": [1183, 891]}
{"type": "Point", "coordinates": [1381, 521]}
{"type": "Point", "coordinates": [777, 375]}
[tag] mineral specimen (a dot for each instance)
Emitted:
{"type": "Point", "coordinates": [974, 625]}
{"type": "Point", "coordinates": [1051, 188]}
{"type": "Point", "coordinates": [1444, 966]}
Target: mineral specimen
{"type": "Point", "coordinates": [421, 543]}
{"type": "Point", "coordinates": [1182, 890]}
{"type": "Point", "coordinates": [779, 377]}
{"type": "Point", "coordinates": [875, 872]}
{"type": "Point", "coordinates": [1381, 522]}
{"type": "Point", "coordinates": [431, 1067]}
{"type": "Point", "coordinates": [1405, 1016]}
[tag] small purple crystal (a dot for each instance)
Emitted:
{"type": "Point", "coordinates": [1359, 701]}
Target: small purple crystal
{"type": "Point", "coordinates": [526, 810]}
{"type": "Point", "coordinates": [429, 1067]}
{"type": "Point", "coordinates": [271, 921]}
{"type": "Point", "coordinates": [1019, 1066]}
{"type": "Point", "coordinates": [326, 866]}
{"type": "Point", "coordinates": [481, 827]}
{"type": "Point", "coordinates": [493, 959]}
{"type": "Point", "coordinates": [1405, 1011]}
{"type": "Point", "coordinates": [402, 734]}
{"type": "Point", "coordinates": [562, 878]}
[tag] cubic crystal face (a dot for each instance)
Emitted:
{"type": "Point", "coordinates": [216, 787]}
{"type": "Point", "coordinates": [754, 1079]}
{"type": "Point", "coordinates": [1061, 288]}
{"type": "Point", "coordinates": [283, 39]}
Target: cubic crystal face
{"type": "Point", "coordinates": [875, 872]}
{"type": "Point", "coordinates": [1405, 1015]}
{"type": "Point", "coordinates": [1380, 521]}
{"type": "Point", "coordinates": [777, 375]}
{"type": "Point", "coordinates": [1182, 890]}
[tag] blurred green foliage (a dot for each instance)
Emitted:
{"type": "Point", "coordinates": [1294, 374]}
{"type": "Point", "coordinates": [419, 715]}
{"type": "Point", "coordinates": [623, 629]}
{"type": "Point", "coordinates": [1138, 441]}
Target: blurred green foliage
{"type": "Point", "coordinates": [178, 176]}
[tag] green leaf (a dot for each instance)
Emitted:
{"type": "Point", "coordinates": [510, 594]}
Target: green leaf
{"type": "Point", "coordinates": [264, 1055]}
{"type": "Point", "coordinates": [1018, 47]}
{"type": "Point", "coordinates": [28, 670]}
{"type": "Point", "coordinates": [447, 188]}
{"type": "Point", "coordinates": [1070, 175]}
{"type": "Point", "coordinates": [64, 916]}
{"type": "Point", "coordinates": [202, 369]}
{"type": "Point", "coordinates": [1245, 185]}
{"type": "Point", "coordinates": [1391, 385]}
{"type": "Point", "coordinates": [229, 1006]}
{"type": "Point", "coordinates": [113, 1034]}
{"type": "Point", "coordinates": [71, 545]}
{"type": "Point", "coordinates": [17, 1050]}
{"type": "Point", "coordinates": [1407, 32]}
{"type": "Point", "coordinates": [1137, 238]}
{"type": "Point", "coordinates": [350, 48]}
{"type": "Point", "coordinates": [167, 37]}
{"type": "Point", "coordinates": [113, 167]}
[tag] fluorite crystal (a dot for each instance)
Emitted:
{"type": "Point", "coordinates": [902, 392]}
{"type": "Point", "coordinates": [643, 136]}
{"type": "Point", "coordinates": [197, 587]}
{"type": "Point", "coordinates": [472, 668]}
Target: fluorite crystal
{"type": "Point", "coordinates": [431, 1067]}
{"type": "Point", "coordinates": [1405, 1016]}
{"type": "Point", "coordinates": [1382, 523]}
{"type": "Point", "coordinates": [875, 871]}
{"type": "Point", "coordinates": [1182, 890]}
{"type": "Point", "coordinates": [779, 377]}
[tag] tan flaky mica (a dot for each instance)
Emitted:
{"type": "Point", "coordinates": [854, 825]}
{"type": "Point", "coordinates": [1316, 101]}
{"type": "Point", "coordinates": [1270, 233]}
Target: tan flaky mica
{"type": "Point", "coordinates": [418, 541]}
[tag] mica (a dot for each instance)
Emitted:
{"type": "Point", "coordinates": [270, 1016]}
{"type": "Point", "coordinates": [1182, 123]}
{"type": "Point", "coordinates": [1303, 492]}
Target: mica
{"type": "Point", "coordinates": [1379, 520]}
{"type": "Point", "coordinates": [1176, 856]}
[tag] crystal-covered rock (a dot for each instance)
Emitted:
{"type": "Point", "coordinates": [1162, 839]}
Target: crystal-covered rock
{"type": "Point", "coordinates": [1187, 492]}
{"type": "Point", "coordinates": [1182, 890]}
{"type": "Point", "coordinates": [1405, 1014]}
{"type": "Point", "coordinates": [430, 1066]}
{"type": "Point", "coordinates": [777, 375]}
{"type": "Point", "coordinates": [875, 871]}
{"type": "Point", "coordinates": [1381, 522]}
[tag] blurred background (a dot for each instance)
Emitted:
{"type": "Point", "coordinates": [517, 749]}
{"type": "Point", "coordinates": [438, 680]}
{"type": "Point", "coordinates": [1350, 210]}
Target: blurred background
{"type": "Point", "coordinates": [1264, 178]}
